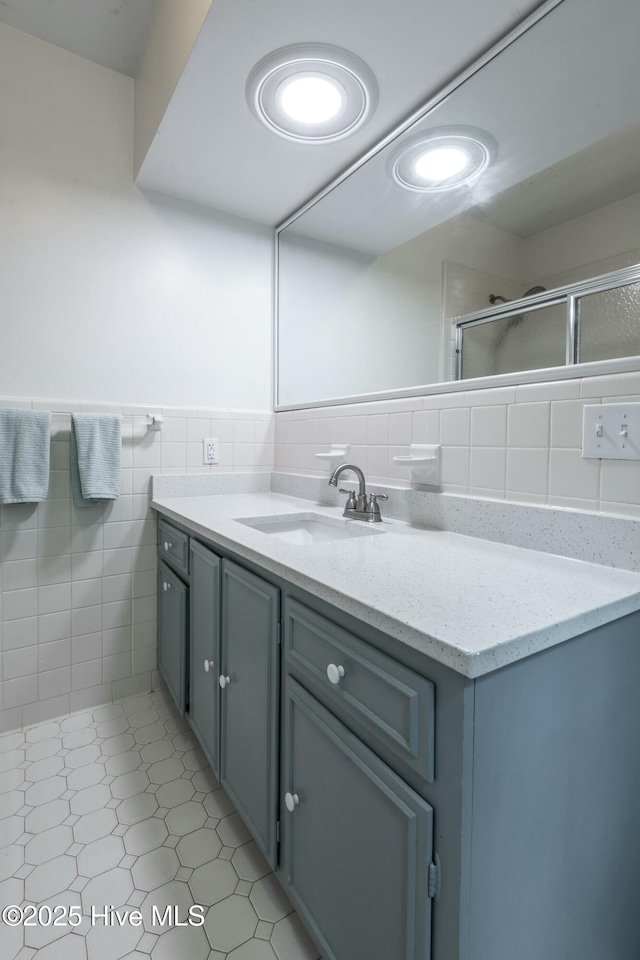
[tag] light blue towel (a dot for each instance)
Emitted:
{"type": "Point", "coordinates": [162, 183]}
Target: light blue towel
{"type": "Point", "coordinates": [96, 457]}
{"type": "Point", "coordinates": [24, 455]}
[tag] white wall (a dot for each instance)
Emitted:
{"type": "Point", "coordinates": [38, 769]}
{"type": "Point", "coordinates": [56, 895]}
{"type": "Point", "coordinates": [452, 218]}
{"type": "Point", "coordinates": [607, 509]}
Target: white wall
{"type": "Point", "coordinates": [107, 292]}
{"type": "Point", "coordinates": [109, 298]}
{"type": "Point", "coordinates": [604, 239]}
{"type": "Point", "coordinates": [351, 323]}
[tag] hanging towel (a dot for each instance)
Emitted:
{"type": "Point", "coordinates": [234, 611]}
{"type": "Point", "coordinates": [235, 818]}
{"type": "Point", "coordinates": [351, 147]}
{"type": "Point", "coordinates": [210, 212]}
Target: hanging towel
{"type": "Point", "coordinates": [96, 456]}
{"type": "Point", "coordinates": [24, 455]}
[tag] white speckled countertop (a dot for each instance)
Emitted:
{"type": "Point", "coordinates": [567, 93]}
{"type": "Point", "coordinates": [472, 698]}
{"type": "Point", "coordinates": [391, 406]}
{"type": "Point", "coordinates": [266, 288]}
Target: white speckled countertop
{"type": "Point", "coordinates": [471, 604]}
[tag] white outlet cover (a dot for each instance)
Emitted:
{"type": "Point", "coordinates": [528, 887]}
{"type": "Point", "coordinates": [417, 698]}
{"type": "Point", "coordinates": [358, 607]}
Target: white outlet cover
{"type": "Point", "coordinates": [611, 431]}
{"type": "Point", "coordinates": [210, 450]}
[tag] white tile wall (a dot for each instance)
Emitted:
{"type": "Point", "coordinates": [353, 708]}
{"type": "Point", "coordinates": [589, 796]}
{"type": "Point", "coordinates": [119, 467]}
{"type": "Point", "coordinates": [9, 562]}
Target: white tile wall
{"type": "Point", "coordinates": [78, 585]}
{"type": "Point", "coordinates": [514, 443]}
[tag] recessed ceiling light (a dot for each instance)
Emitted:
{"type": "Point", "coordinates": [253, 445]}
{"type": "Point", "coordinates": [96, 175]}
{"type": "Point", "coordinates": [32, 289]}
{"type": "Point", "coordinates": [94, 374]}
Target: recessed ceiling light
{"type": "Point", "coordinates": [442, 158]}
{"type": "Point", "coordinates": [315, 93]}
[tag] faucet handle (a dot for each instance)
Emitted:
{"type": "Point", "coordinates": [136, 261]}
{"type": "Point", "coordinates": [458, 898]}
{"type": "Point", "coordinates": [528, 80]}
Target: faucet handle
{"type": "Point", "coordinates": [351, 502]}
{"type": "Point", "coordinates": [372, 504]}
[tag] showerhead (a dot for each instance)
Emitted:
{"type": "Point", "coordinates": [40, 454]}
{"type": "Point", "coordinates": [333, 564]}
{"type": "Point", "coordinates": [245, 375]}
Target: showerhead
{"type": "Point", "coordinates": [498, 298]}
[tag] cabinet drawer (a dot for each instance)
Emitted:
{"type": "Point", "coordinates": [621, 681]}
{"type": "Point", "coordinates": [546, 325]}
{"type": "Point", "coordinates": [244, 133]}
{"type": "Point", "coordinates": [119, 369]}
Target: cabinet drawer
{"type": "Point", "coordinates": [173, 547]}
{"type": "Point", "coordinates": [388, 702]}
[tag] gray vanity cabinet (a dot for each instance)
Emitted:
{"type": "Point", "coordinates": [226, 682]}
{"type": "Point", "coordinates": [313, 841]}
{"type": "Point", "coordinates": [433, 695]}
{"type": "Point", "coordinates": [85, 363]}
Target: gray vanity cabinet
{"type": "Point", "coordinates": [204, 650]}
{"type": "Point", "coordinates": [249, 690]}
{"type": "Point", "coordinates": [173, 602]}
{"type": "Point", "coordinates": [357, 840]}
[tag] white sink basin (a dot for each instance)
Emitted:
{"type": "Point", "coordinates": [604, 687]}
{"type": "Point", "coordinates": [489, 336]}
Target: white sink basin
{"type": "Point", "coordinates": [306, 528]}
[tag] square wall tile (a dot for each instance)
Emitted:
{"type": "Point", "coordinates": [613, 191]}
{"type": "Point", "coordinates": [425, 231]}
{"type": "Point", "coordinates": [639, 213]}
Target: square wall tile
{"type": "Point", "coordinates": [54, 683]}
{"type": "Point", "coordinates": [455, 466]}
{"type": "Point", "coordinates": [400, 429]}
{"type": "Point", "coordinates": [620, 481]}
{"type": "Point", "coordinates": [528, 424]}
{"type": "Point", "coordinates": [378, 462]}
{"type": "Point", "coordinates": [16, 693]}
{"type": "Point", "coordinates": [22, 662]}
{"type": "Point", "coordinates": [455, 427]}
{"type": "Point", "coordinates": [489, 426]}
{"type": "Point", "coordinates": [244, 431]}
{"type": "Point", "coordinates": [53, 655]}
{"type": "Point", "coordinates": [571, 475]}
{"type": "Point", "coordinates": [566, 422]}
{"type": "Point", "coordinates": [88, 647]}
{"type": "Point", "coordinates": [54, 626]}
{"type": "Point", "coordinates": [426, 426]}
{"type": "Point", "coordinates": [527, 471]}
{"type": "Point", "coordinates": [116, 668]}
{"type": "Point", "coordinates": [18, 604]}
{"type": "Point", "coordinates": [86, 674]}
{"type": "Point", "coordinates": [19, 574]}
{"type": "Point", "coordinates": [488, 467]}
{"type": "Point", "coordinates": [19, 633]}
{"type": "Point", "coordinates": [54, 598]}
{"type": "Point", "coordinates": [173, 455]}
{"type": "Point", "coordinates": [378, 430]}
{"type": "Point", "coordinates": [116, 640]}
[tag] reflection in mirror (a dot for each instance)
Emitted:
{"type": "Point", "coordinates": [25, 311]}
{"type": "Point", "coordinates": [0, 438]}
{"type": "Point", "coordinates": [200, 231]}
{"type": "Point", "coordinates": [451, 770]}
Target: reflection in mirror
{"type": "Point", "coordinates": [371, 276]}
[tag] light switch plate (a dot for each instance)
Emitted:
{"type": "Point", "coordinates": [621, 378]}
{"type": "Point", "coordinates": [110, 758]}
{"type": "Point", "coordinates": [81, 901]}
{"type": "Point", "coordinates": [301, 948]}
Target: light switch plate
{"type": "Point", "coordinates": [611, 431]}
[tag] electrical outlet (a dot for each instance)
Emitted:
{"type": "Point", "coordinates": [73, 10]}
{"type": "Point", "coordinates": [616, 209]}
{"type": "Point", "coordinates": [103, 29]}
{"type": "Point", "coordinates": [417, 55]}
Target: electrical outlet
{"type": "Point", "coordinates": [210, 450]}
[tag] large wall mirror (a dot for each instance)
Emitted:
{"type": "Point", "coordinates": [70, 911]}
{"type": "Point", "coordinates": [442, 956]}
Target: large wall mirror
{"type": "Point", "coordinates": [467, 245]}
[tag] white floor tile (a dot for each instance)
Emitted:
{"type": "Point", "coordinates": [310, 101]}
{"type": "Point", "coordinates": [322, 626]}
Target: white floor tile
{"type": "Point", "coordinates": [118, 807]}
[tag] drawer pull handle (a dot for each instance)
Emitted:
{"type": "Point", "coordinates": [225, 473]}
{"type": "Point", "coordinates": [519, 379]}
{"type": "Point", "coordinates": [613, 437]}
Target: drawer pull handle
{"type": "Point", "coordinates": [167, 545]}
{"type": "Point", "coordinates": [208, 665]}
{"type": "Point", "coordinates": [291, 801]}
{"type": "Point", "coordinates": [224, 681]}
{"type": "Point", "coordinates": [335, 673]}
{"type": "Point", "coordinates": [166, 586]}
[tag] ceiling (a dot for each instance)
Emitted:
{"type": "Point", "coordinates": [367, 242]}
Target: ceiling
{"type": "Point", "coordinates": [209, 148]}
{"type": "Point", "coordinates": [563, 149]}
{"type": "Point", "coordinates": [112, 33]}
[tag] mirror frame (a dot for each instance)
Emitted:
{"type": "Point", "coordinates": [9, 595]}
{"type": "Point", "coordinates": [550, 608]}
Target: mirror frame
{"type": "Point", "coordinates": [546, 374]}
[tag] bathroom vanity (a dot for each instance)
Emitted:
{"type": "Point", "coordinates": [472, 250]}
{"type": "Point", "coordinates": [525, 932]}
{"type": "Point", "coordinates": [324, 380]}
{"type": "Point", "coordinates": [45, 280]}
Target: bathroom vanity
{"type": "Point", "coordinates": [431, 771]}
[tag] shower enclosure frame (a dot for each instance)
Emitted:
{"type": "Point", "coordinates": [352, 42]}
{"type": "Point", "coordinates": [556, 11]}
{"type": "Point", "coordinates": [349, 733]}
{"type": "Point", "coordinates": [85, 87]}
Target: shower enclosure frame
{"type": "Point", "coordinates": [569, 295]}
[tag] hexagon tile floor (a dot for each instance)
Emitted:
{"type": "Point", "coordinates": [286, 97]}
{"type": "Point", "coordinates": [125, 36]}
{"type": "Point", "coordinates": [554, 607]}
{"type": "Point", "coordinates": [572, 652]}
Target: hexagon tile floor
{"type": "Point", "coordinates": [119, 806]}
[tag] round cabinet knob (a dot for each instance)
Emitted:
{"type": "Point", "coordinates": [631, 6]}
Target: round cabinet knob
{"type": "Point", "coordinates": [335, 673]}
{"type": "Point", "coordinates": [291, 801]}
{"type": "Point", "coordinates": [166, 586]}
{"type": "Point", "coordinates": [208, 665]}
{"type": "Point", "coordinates": [167, 545]}
{"type": "Point", "coordinates": [224, 681]}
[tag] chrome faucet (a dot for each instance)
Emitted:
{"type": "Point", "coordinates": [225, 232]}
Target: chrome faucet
{"type": "Point", "coordinates": [359, 506]}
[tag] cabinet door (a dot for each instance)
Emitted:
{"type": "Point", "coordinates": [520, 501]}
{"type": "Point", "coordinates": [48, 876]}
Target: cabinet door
{"type": "Point", "coordinates": [249, 700]}
{"type": "Point", "coordinates": [357, 840]}
{"type": "Point", "coordinates": [204, 649]}
{"type": "Point", "coordinates": [172, 632]}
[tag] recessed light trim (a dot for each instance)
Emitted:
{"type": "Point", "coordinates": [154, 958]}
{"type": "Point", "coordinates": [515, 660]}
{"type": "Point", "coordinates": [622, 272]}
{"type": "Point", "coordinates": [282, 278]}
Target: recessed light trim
{"type": "Point", "coordinates": [442, 158]}
{"type": "Point", "coordinates": [312, 93]}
